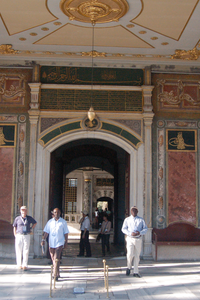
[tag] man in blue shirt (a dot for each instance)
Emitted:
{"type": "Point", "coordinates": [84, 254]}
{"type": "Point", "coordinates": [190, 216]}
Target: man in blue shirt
{"type": "Point", "coordinates": [22, 228]}
{"type": "Point", "coordinates": [57, 230]}
{"type": "Point", "coordinates": [134, 227]}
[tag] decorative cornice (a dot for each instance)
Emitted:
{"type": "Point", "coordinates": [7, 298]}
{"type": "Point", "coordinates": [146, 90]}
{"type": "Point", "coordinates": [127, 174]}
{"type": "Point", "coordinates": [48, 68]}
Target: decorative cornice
{"type": "Point", "coordinates": [94, 54]}
{"type": "Point", "coordinates": [186, 55]}
{"type": "Point", "coordinates": [7, 49]}
{"type": "Point", "coordinates": [193, 54]}
{"type": "Point", "coordinates": [75, 54]}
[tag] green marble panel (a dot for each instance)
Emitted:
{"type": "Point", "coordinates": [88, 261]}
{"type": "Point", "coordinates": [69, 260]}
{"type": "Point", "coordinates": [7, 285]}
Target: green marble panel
{"type": "Point", "coordinates": [101, 76]}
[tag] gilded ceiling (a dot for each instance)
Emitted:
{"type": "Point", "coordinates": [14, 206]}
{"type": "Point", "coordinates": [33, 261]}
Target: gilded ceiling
{"type": "Point", "coordinates": [123, 29]}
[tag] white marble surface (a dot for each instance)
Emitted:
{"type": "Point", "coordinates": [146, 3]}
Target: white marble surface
{"type": "Point", "coordinates": [159, 281]}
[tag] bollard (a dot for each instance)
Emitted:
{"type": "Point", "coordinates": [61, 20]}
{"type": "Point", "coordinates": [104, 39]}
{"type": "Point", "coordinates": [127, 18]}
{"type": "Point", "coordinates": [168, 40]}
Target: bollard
{"type": "Point", "coordinates": [55, 273]}
{"type": "Point", "coordinates": [104, 267]}
{"type": "Point", "coordinates": [107, 287]}
{"type": "Point", "coordinates": [50, 294]}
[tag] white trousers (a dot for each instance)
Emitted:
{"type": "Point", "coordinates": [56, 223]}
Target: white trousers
{"type": "Point", "coordinates": [22, 244]}
{"type": "Point", "coordinates": [133, 246]}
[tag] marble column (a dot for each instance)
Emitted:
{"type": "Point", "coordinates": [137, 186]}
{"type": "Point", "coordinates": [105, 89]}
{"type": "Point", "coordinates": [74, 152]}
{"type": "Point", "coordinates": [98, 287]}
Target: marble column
{"type": "Point", "coordinates": [33, 118]}
{"type": "Point", "coordinates": [148, 118]}
{"type": "Point", "coordinates": [87, 200]}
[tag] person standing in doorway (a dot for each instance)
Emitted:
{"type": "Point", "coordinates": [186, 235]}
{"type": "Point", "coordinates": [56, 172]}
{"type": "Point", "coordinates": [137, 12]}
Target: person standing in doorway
{"type": "Point", "coordinates": [105, 234]}
{"type": "Point", "coordinates": [96, 214]}
{"type": "Point", "coordinates": [84, 239]}
{"type": "Point", "coordinates": [134, 227]}
{"type": "Point", "coordinates": [22, 228]}
{"type": "Point", "coordinates": [57, 231]}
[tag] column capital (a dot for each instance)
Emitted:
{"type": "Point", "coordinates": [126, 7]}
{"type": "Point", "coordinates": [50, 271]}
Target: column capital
{"type": "Point", "coordinates": [34, 116]}
{"type": "Point", "coordinates": [148, 119]}
{"type": "Point", "coordinates": [35, 86]}
{"type": "Point", "coordinates": [147, 89]}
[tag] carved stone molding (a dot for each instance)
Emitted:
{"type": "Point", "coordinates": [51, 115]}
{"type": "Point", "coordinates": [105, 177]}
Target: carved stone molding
{"type": "Point", "coordinates": [21, 165]}
{"type": "Point", "coordinates": [160, 180]}
{"type": "Point", "coordinates": [35, 92]}
{"type": "Point", "coordinates": [176, 96]}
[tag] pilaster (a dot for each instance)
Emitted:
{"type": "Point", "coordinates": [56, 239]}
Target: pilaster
{"type": "Point", "coordinates": [33, 118]}
{"type": "Point", "coordinates": [148, 118]}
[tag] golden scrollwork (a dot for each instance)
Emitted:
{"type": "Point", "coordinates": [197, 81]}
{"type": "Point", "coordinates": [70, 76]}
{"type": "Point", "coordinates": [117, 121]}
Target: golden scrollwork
{"type": "Point", "coordinates": [3, 140]}
{"type": "Point", "coordinates": [186, 55]}
{"type": "Point", "coordinates": [94, 54]}
{"type": "Point", "coordinates": [7, 49]}
{"type": "Point", "coordinates": [172, 99]}
{"type": "Point", "coordinates": [179, 142]}
{"type": "Point", "coordinates": [14, 91]}
{"type": "Point", "coordinates": [94, 11]}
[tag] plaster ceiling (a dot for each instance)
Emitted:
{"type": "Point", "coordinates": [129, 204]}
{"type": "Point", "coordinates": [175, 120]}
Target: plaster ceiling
{"type": "Point", "coordinates": [149, 30]}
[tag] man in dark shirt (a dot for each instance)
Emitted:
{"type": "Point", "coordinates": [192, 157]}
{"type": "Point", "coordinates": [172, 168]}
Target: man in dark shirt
{"type": "Point", "coordinates": [22, 229]}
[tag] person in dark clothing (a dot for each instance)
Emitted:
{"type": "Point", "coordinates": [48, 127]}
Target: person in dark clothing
{"type": "Point", "coordinates": [84, 240]}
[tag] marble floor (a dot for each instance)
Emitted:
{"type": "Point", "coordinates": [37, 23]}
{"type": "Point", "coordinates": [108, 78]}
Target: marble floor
{"type": "Point", "coordinates": [159, 281]}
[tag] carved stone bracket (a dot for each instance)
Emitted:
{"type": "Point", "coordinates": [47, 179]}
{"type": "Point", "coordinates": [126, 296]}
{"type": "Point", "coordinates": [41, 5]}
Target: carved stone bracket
{"type": "Point", "coordinates": [147, 93]}
{"type": "Point", "coordinates": [35, 92]}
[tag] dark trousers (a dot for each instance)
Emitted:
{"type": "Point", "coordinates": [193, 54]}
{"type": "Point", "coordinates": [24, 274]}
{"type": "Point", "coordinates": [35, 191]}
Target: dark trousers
{"type": "Point", "coordinates": [85, 244]}
{"type": "Point", "coordinates": [55, 254]}
{"type": "Point", "coordinates": [105, 242]}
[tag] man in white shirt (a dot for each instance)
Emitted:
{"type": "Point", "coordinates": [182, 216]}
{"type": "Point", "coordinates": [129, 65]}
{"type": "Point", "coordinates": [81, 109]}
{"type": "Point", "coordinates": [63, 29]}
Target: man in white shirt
{"type": "Point", "coordinates": [57, 230]}
{"type": "Point", "coordinates": [84, 240]}
{"type": "Point", "coordinates": [134, 227]}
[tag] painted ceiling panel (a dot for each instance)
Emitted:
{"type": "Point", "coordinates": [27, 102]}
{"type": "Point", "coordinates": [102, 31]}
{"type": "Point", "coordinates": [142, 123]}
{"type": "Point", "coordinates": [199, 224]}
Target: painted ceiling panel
{"type": "Point", "coordinates": [116, 36]}
{"type": "Point", "coordinates": [21, 15]}
{"type": "Point", "coordinates": [168, 17]}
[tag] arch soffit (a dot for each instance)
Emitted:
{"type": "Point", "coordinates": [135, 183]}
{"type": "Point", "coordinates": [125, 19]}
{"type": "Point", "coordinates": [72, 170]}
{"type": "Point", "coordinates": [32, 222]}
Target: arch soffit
{"type": "Point", "coordinates": [58, 135]}
{"type": "Point", "coordinates": [61, 140]}
{"type": "Point", "coordinates": [103, 193]}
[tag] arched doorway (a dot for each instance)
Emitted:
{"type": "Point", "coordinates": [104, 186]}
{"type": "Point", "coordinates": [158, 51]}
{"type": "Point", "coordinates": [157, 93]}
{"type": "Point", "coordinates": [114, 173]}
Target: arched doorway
{"type": "Point", "coordinates": [87, 156]}
{"type": "Point", "coordinates": [136, 175]}
{"type": "Point", "coordinates": [106, 205]}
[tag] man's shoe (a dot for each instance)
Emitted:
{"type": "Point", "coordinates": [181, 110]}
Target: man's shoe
{"type": "Point", "coordinates": [80, 255]}
{"type": "Point", "coordinates": [136, 275]}
{"type": "Point", "coordinates": [25, 268]}
{"type": "Point", "coordinates": [128, 272]}
{"type": "Point", "coordinates": [88, 255]}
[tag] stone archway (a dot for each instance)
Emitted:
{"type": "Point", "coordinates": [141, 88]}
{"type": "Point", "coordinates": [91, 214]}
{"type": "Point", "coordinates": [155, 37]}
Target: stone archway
{"type": "Point", "coordinates": [137, 175]}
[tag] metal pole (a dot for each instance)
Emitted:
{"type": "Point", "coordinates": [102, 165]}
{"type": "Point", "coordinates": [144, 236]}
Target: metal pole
{"type": "Point", "coordinates": [104, 267]}
{"type": "Point", "coordinates": [107, 287]}
{"type": "Point", "coordinates": [55, 273]}
{"type": "Point", "coordinates": [50, 293]}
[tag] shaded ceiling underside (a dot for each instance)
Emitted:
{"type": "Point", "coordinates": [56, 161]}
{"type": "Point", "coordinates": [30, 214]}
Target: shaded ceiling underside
{"type": "Point", "coordinates": [148, 29]}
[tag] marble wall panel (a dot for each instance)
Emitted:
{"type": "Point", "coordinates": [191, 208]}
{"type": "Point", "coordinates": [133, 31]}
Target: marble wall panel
{"type": "Point", "coordinates": [182, 187]}
{"type": "Point", "coordinates": [6, 182]}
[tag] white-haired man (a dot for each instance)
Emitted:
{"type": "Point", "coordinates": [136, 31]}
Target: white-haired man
{"type": "Point", "coordinates": [134, 227]}
{"type": "Point", "coordinates": [22, 228]}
